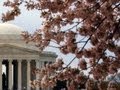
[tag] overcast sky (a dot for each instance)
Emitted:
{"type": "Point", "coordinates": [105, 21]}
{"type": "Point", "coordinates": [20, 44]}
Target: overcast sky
{"type": "Point", "coordinates": [30, 21]}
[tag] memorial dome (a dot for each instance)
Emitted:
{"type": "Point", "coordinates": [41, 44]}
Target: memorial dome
{"type": "Point", "coordinates": [6, 28]}
{"type": "Point", "coordinates": [10, 34]}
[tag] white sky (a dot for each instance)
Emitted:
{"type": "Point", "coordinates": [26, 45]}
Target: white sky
{"type": "Point", "coordinates": [30, 21]}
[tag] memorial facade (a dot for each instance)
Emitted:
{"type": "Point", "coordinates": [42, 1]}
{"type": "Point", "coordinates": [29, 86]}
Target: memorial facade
{"type": "Point", "coordinates": [19, 59]}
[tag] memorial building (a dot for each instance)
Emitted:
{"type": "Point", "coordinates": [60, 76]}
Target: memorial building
{"type": "Point", "coordinates": [18, 59]}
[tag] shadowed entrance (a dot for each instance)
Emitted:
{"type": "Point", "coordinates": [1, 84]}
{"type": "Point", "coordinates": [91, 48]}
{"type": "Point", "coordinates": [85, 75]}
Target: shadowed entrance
{"type": "Point", "coordinates": [5, 77]}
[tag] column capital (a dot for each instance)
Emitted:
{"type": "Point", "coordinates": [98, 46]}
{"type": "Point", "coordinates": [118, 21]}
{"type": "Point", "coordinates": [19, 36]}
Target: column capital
{"type": "Point", "coordinates": [28, 61]}
{"type": "Point", "coordinates": [37, 61]}
{"type": "Point", "coordinates": [19, 60]}
{"type": "Point", "coordinates": [10, 60]}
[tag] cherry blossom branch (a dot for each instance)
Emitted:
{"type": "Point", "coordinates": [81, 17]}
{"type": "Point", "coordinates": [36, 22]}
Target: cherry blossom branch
{"type": "Point", "coordinates": [53, 46]}
{"type": "Point", "coordinates": [84, 18]}
{"type": "Point", "coordinates": [85, 43]}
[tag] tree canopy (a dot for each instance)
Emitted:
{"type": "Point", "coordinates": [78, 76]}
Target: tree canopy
{"type": "Point", "coordinates": [95, 23]}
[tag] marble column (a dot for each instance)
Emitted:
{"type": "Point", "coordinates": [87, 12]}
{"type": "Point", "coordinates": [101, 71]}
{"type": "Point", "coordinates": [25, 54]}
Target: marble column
{"type": "Point", "coordinates": [10, 75]}
{"type": "Point", "coordinates": [28, 75]}
{"type": "Point", "coordinates": [1, 74]}
{"type": "Point", "coordinates": [42, 64]}
{"type": "Point", "coordinates": [19, 75]}
{"type": "Point", "coordinates": [7, 75]}
{"type": "Point", "coordinates": [37, 75]}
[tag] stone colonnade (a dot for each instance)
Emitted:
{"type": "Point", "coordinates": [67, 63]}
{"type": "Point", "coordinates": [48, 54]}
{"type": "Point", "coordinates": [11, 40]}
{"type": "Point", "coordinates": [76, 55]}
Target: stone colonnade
{"type": "Point", "coordinates": [39, 64]}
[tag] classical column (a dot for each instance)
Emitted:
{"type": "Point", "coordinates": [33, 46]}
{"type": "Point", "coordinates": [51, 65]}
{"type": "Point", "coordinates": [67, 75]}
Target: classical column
{"type": "Point", "coordinates": [42, 64]}
{"type": "Point", "coordinates": [28, 75]}
{"type": "Point", "coordinates": [7, 75]}
{"type": "Point", "coordinates": [37, 75]}
{"type": "Point", "coordinates": [0, 74]}
{"type": "Point", "coordinates": [19, 75]}
{"type": "Point", "coordinates": [10, 75]}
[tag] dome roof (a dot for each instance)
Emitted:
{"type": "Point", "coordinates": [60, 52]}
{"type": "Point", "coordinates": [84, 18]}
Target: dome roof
{"type": "Point", "coordinates": [6, 28]}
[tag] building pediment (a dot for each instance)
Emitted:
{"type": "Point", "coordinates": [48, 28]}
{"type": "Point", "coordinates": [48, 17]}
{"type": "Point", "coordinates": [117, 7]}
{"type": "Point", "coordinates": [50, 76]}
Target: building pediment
{"type": "Point", "coordinates": [7, 49]}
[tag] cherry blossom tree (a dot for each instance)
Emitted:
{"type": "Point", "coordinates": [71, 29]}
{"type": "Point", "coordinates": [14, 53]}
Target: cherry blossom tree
{"type": "Point", "coordinates": [91, 22]}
